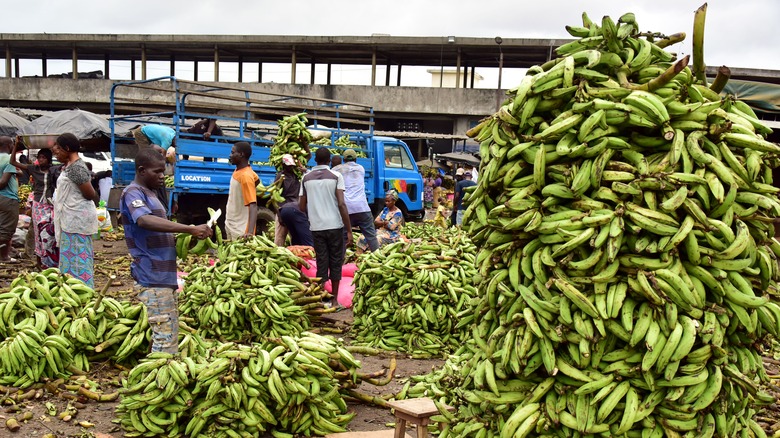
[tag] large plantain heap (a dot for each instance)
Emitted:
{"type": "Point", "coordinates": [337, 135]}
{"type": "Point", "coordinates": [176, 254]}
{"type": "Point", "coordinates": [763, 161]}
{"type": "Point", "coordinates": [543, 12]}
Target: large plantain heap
{"type": "Point", "coordinates": [417, 296]}
{"type": "Point", "coordinates": [624, 213]}
{"type": "Point", "coordinates": [251, 292]}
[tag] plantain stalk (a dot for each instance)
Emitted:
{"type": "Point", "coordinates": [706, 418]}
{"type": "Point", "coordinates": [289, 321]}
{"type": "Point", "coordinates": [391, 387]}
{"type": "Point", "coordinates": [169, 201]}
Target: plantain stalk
{"type": "Point", "coordinates": [671, 39]}
{"type": "Point", "coordinates": [724, 73]}
{"type": "Point", "coordinates": [368, 351]}
{"type": "Point", "coordinates": [92, 395]}
{"type": "Point", "coordinates": [665, 77]}
{"type": "Point", "coordinates": [698, 43]}
{"type": "Point", "coordinates": [369, 399]}
{"type": "Point", "coordinates": [388, 378]}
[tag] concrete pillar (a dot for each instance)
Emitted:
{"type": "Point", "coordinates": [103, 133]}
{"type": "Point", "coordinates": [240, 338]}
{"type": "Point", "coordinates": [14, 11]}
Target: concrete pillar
{"type": "Point", "coordinates": [44, 71]}
{"type": "Point", "coordinates": [195, 71]}
{"type": "Point", "coordinates": [143, 62]}
{"type": "Point", "coordinates": [105, 66]}
{"type": "Point", "coordinates": [132, 69]}
{"type": "Point", "coordinates": [327, 79]}
{"type": "Point", "coordinates": [293, 66]}
{"type": "Point", "coordinates": [313, 66]}
{"type": "Point", "coordinates": [398, 82]}
{"type": "Point", "coordinates": [16, 68]}
{"type": "Point", "coordinates": [500, 67]}
{"type": "Point", "coordinates": [216, 63]}
{"type": "Point", "coordinates": [240, 69]}
{"type": "Point", "coordinates": [7, 60]}
{"type": "Point", "coordinates": [465, 74]}
{"type": "Point", "coordinates": [75, 63]}
{"type": "Point", "coordinates": [387, 74]}
{"type": "Point", "coordinates": [457, 70]}
{"type": "Point", "coordinates": [260, 72]}
{"type": "Point", "coordinates": [173, 65]}
{"type": "Point", "coordinates": [473, 70]}
{"type": "Point", "coordinates": [373, 66]}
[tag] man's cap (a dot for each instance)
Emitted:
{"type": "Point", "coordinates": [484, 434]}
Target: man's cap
{"type": "Point", "coordinates": [350, 154]}
{"type": "Point", "coordinates": [288, 160]}
{"type": "Point", "coordinates": [467, 174]}
{"type": "Point", "coordinates": [459, 171]}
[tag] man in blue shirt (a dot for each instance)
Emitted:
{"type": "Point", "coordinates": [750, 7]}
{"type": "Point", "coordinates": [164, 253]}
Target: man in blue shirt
{"type": "Point", "coordinates": [152, 245]}
{"type": "Point", "coordinates": [9, 199]}
{"type": "Point", "coordinates": [147, 135]}
{"type": "Point", "coordinates": [459, 193]}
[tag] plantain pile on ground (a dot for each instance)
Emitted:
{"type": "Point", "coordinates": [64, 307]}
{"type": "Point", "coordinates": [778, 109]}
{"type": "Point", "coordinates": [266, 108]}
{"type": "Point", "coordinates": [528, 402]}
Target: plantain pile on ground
{"type": "Point", "coordinates": [415, 297]}
{"type": "Point", "coordinates": [253, 290]}
{"type": "Point", "coordinates": [287, 385]}
{"type": "Point", "coordinates": [628, 271]}
{"type": "Point", "coordinates": [52, 326]}
{"type": "Point", "coordinates": [424, 231]}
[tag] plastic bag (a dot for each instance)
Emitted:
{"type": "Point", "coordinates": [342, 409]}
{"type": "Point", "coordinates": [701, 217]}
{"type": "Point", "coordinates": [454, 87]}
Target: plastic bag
{"type": "Point", "coordinates": [104, 221]}
{"type": "Point", "coordinates": [346, 290]}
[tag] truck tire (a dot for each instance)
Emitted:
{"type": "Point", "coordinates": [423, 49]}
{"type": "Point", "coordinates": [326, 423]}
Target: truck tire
{"type": "Point", "coordinates": [265, 220]}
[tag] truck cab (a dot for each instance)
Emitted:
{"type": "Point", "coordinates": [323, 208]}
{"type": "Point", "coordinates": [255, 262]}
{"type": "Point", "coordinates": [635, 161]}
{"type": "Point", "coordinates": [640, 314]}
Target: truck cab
{"type": "Point", "coordinates": [202, 172]}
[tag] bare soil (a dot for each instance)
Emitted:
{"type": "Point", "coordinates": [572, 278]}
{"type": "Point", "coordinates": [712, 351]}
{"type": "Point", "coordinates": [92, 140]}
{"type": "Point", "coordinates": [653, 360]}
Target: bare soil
{"type": "Point", "coordinates": [111, 259]}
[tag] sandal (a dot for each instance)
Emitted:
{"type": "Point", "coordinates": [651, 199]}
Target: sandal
{"type": "Point", "coordinates": [9, 260]}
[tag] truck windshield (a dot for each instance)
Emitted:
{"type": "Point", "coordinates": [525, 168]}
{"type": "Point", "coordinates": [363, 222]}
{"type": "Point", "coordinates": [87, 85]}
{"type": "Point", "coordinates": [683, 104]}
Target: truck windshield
{"type": "Point", "coordinates": [397, 156]}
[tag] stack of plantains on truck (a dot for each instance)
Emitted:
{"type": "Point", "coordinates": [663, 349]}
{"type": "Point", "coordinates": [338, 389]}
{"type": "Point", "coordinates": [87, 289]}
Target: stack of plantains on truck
{"type": "Point", "coordinates": [624, 219]}
{"type": "Point", "coordinates": [416, 297]}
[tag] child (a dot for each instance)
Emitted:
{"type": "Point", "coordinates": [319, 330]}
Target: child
{"type": "Point", "coordinates": [441, 217]}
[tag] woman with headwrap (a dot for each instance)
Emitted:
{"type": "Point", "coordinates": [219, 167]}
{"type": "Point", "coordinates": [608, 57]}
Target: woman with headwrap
{"type": "Point", "coordinates": [387, 224]}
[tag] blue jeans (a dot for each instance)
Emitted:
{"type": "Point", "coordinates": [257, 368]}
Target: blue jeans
{"type": "Point", "coordinates": [163, 314]}
{"type": "Point", "coordinates": [365, 221]}
{"type": "Point", "coordinates": [297, 224]}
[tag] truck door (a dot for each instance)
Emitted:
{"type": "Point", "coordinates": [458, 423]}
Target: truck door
{"type": "Point", "coordinates": [399, 172]}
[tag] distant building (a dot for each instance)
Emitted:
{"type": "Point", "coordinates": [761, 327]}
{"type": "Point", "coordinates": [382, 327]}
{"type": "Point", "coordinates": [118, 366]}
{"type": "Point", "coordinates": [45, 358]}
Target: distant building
{"type": "Point", "coordinates": [446, 78]}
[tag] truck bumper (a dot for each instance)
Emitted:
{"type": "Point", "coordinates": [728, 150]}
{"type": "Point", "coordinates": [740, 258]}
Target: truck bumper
{"type": "Point", "coordinates": [416, 215]}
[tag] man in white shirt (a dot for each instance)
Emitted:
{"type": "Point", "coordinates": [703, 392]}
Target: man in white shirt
{"type": "Point", "coordinates": [322, 199]}
{"type": "Point", "coordinates": [355, 197]}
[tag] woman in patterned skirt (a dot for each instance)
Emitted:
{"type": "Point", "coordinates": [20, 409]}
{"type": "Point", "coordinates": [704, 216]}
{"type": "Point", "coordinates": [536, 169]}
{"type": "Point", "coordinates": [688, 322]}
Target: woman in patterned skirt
{"type": "Point", "coordinates": [75, 215]}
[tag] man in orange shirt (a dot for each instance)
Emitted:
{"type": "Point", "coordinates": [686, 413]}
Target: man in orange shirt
{"type": "Point", "coordinates": [241, 209]}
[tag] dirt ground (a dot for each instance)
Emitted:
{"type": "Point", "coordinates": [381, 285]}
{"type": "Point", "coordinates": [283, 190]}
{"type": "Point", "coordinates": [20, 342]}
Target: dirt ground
{"type": "Point", "coordinates": [93, 419]}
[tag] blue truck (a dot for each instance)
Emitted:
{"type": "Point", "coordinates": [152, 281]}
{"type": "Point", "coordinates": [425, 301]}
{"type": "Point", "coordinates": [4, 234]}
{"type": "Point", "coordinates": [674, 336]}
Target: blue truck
{"type": "Point", "coordinates": [202, 172]}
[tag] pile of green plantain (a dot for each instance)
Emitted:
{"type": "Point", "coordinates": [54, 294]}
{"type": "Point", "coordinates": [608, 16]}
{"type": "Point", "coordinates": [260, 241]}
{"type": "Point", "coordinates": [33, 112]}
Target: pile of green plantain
{"type": "Point", "coordinates": [628, 271]}
{"type": "Point", "coordinates": [416, 297]}
{"type": "Point", "coordinates": [253, 290]}
{"type": "Point", "coordinates": [341, 144]}
{"type": "Point", "coordinates": [285, 386]}
{"type": "Point", "coordinates": [52, 326]}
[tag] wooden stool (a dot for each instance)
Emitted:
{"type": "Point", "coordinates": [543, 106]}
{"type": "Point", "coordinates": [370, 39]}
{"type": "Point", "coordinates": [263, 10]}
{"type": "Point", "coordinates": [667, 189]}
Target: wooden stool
{"type": "Point", "coordinates": [417, 411]}
{"type": "Point", "coordinates": [387, 433]}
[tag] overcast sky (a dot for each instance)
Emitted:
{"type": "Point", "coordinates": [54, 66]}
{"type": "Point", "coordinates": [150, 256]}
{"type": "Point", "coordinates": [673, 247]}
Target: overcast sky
{"type": "Point", "coordinates": [739, 33]}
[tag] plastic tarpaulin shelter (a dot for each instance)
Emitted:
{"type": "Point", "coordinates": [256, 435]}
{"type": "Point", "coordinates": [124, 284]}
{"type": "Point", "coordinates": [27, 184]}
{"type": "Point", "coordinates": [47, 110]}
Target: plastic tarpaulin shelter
{"type": "Point", "coordinates": [92, 129]}
{"type": "Point", "coordinates": [763, 97]}
{"type": "Point", "coordinates": [10, 123]}
{"type": "Point", "coordinates": [82, 124]}
{"type": "Point", "coordinates": [430, 163]}
{"type": "Point", "coordinates": [459, 157]}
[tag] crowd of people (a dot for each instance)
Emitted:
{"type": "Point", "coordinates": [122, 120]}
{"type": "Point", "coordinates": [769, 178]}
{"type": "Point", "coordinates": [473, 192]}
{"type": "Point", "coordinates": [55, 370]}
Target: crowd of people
{"type": "Point", "coordinates": [321, 208]}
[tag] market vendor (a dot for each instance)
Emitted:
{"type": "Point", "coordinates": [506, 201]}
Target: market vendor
{"type": "Point", "coordinates": [388, 223]}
